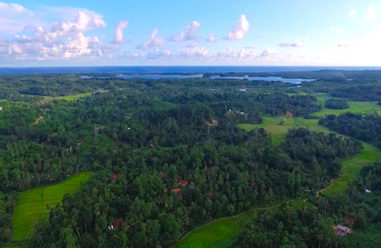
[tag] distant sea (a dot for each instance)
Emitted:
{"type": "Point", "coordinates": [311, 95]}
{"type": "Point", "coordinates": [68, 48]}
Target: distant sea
{"type": "Point", "coordinates": [174, 69]}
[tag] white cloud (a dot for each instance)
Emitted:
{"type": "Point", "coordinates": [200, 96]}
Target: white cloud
{"type": "Point", "coordinates": [13, 17]}
{"type": "Point", "coordinates": [119, 30]}
{"type": "Point", "coordinates": [154, 41]}
{"type": "Point", "coordinates": [62, 40]}
{"type": "Point", "coordinates": [157, 53]}
{"type": "Point", "coordinates": [371, 14]}
{"type": "Point", "coordinates": [240, 29]}
{"type": "Point", "coordinates": [352, 13]}
{"type": "Point", "coordinates": [295, 44]}
{"type": "Point", "coordinates": [244, 53]}
{"type": "Point", "coordinates": [189, 33]}
{"type": "Point", "coordinates": [195, 50]}
{"type": "Point", "coordinates": [212, 38]}
{"type": "Point", "coordinates": [267, 53]}
{"type": "Point", "coordinates": [342, 45]}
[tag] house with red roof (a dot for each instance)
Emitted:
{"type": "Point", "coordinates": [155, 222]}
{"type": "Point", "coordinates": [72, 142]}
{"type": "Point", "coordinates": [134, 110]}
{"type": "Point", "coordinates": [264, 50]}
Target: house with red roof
{"type": "Point", "coordinates": [183, 182]}
{"type": "Point", "coordinates": [350, 220]}
{"type": "Point", "coordinates": [176, 190]}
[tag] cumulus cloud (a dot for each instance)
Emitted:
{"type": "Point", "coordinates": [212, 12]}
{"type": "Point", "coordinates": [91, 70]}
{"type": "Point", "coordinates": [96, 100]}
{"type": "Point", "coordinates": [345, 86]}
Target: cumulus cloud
{"type": "Point", "coordinates": [157, 53]}
{"type": "Point", "coordinates": [62, 40]}
{"type": "Point", "coordinates": [240, 29]}
{"type": "Point", "coordinates": [267, 53]}
{"type": "Point", "coordinates": [295, 44]}
{"type": "Point", "coordinates": [195, 50]}
{"type": "Point", "coordinates": [212, 38]}
{"type": "Point", "coordinates": [119, 31]}
{"type": "Point", "coordinates": [342, 45]}
{"type": "Point", "coordinates": [189, 33]}
{"type": "Point", "coordinates": [243, 53]}
{"type": "Point", "coordinates": [154, 41]}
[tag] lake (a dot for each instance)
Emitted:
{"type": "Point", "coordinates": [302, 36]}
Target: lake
{"type": "Point", "coordinates": [266, 79]}
{"type": "Point", "coordinates": [159, 76]}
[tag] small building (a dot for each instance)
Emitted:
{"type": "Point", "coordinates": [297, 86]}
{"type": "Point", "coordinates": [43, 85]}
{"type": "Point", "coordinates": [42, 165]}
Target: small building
{"type": "Point", "coordinates": [114, 176]}
{"type": "Point", "coordinates": [176, 190]}
{"type": "Point", "coordinates": [115, 224]}
{"type": "Point", "coordinates": [368, 191]}
{"type": "Point", "coordinates": [211, 123]}
{"type": "Point", "coordinates": [1, 108]}
{"type": "Point", "coordinates": [289, 114]}
{"type": "Point", "coordinates": [350, 220]}
{"type": "Point", "coordinates": [183, 182]}
{"type": "Point", "coordinates": [342, 231]}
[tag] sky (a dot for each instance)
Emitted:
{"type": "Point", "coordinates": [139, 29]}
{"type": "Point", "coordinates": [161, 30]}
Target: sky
{"type": "Point", "coordinates": [196, 32]}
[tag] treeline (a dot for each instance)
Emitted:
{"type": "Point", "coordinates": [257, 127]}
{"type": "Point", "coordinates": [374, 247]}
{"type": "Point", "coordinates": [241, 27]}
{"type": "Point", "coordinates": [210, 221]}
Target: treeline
{"type": "Point", "coordinates": [335, 103]}
{"type": "Point", "coordinates": [363, 127]}
{"type": "Point", "coordinates": [266, 103]}
{"type": "Point", "coordinates": [359, 92]}
{"type": "Point", "coordinates": [153, 196]}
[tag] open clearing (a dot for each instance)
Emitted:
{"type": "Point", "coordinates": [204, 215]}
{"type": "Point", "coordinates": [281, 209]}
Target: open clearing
{"type": "Point", "coordinates": [279, 126]}
{"type": "Point", "coordinates": [33, 206]}
{"type": "Point", "coordinates": [354, 107]}
{"type": "Point", "coordinates": [221, 233]}
{"type": "Point", "coordinates": [72, 97]}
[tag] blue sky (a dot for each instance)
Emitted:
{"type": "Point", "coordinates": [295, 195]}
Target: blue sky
{"type": "Point", "coordinates": [179, 32]}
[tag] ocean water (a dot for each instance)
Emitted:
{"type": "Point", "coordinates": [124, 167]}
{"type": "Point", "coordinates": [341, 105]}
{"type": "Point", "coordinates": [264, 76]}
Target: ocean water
{"type": "Point", "coordinates": [172, 69]}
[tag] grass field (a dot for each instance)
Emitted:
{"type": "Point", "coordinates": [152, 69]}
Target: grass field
{"type": "Point", "coordinates": [72, 97]}
{"type": "Point", "coordinates": [222, 233]}
{"type": "Point", "coordinates": [351, 168]}
{"type": "Point", "coordinates": [354, 107]}
{"type": "Point", "coordinates": [33, 206]}
{"type": "Point", "coordinates": [279, 126]}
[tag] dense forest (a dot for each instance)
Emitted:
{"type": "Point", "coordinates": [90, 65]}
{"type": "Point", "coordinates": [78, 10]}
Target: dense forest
{"type": "Point", "coordinates": [363, 127]}
{"type": "Point", "coordinates": [335, 103]}
{"type": "Point", "coordinates": [168, 155]}
{"type": "Point", "coordinates": [173, 189]}
{"type": "Point", "coordinates": [311, 226]}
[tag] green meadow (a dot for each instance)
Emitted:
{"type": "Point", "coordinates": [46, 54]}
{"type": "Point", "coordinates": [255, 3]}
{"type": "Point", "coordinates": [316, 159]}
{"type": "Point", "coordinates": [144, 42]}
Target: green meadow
{"type": "Point", "coordinates": [354, 107]}
{"type": "Point", "coordinates": [72, 97]}
{"type": "Point", "coordinates": [279, 126]}
{"type": "Point", "coordinates": [33, 206]}
{"type": "Point", "coordinates": [221, 233]}
{"type": "Point", "coordinates": [351, 168]}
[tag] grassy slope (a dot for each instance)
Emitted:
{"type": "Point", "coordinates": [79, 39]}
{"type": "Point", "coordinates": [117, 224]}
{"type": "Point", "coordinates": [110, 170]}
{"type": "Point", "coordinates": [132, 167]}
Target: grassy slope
{"type": "Point", "coordinates": [72, 97]}
{"type": "Point", "coordinates": [354, 107]}
{"type": "Point", "coordinates": [33, 205]}
{"type": "Point", "coordinates": [221, 233]}
{"type": "Point", "coordinates": [351, 168]}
